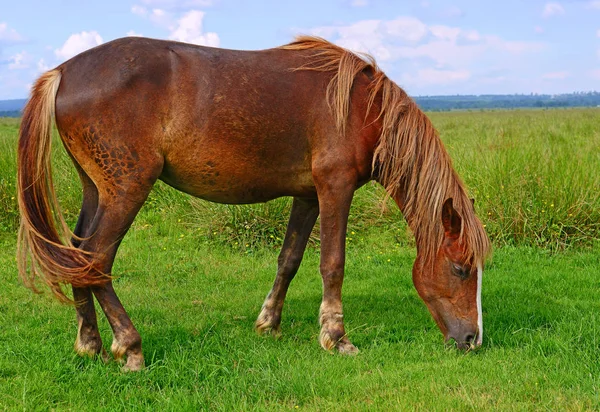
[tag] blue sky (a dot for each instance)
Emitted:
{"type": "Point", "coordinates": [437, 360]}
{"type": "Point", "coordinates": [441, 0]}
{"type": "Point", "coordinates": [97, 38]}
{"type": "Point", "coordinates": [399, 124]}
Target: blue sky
{"type": "Point", "coordinates": [428, 47]}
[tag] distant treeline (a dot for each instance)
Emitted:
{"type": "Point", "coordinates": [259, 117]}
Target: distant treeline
{"type": "Point", "coordinates": [507, 101]}
{"type": "Point", "coordinates": [13, 108]}
{"type": "Point", "coordinates": [10, 113]}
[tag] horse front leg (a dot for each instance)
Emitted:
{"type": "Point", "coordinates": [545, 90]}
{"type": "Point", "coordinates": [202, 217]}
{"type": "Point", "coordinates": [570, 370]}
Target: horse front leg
{"type": "Point", "coordinates": [334, 204]}
{"type": "Point", "coordinates": [302, 220]}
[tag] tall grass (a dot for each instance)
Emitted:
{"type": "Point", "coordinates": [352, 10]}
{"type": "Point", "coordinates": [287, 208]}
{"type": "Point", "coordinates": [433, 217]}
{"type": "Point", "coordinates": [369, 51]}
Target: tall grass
{"type": "Point", "coordinates": [535, 175]}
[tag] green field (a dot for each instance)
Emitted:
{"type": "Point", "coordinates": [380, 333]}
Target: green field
{"type": "Point", "coordinates": [193, 276]}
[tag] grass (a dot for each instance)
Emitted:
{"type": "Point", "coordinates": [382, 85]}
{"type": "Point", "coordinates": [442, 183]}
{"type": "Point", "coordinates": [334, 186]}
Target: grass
{"type": "Point", "coordinates": [195, 304]}
{"type": "Point", "coordinates": [193, 276]}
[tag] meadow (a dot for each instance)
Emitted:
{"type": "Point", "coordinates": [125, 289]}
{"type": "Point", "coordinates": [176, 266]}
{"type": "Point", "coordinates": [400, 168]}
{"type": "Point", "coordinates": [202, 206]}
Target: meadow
{"type": "Point", "coordinates": [193, 276]}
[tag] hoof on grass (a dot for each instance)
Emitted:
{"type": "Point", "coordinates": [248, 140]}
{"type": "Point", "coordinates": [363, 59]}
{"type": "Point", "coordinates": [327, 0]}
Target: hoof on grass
{"type": "Point", "coordinates": [342, 345]}
{"type": "Point", "coordinates": [266, 325]}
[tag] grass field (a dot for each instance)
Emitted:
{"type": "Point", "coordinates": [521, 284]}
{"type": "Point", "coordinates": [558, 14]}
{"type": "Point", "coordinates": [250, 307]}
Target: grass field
{"type": "Point", "coordinates": [193, 276]}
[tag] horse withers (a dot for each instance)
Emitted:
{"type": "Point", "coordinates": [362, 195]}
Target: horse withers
{"type": "Point", "coordinates": [309, 120]}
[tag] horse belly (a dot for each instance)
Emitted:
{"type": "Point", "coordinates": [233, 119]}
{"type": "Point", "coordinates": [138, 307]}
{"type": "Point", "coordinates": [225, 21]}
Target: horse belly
{"type": "Point", "coordinates": [237, 180]}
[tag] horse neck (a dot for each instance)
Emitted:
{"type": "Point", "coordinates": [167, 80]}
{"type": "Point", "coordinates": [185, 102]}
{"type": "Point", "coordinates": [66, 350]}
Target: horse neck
{"type": "Point", "coordinates": [400, 197]}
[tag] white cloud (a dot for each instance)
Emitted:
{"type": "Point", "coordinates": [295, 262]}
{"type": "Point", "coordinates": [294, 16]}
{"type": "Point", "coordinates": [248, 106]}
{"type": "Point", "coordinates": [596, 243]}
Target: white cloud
{"type": "Point", "coordinates": [555, 75]}
{"type": "Point", "coordinates": [42, 66]}
{"type": "Point", "coordinates": [139, 10]}
{"type": "Point", "coordinates": [471, 35]}
{"type": "Point", "coordinates": [161, 17]}
{"type": "Point", "coordinates": [595, 74]}
{"type": "Point", "coordinates": [78, 43]}
{"type": "Point", "coordinates": [431, 55]}
{"type": "Point", "coordinates": [360, 3]}
{"type": "Point", "coordinates": [552, 9]}
{"type": "Point", "coordinates": [19, 61]}
{"type": "Point", "coordinates": [595, 4]}
{"type": "Point", "coordinates": [538, 29]}
{"type": "Point", "coordinates": [408, 29]}
{"type": "Point", "coordinates": [8, 35]}
{"type": "Point", "coordinates": [182, 4]}
{"type": "Point", "coordinates": [514, 47]}
{"type": "Point", "coordinates": [189, 30]}
{"type": "Point", "coordinates": [598, 33]}
{"type": "Point", "coordinates": [435, 77]}
{"type": "Point", "coordinates": [132, 33]}
{"type": "Point", "coordinates": [375, 36]}
{"type": "Point", "coordinates": [445, 32]}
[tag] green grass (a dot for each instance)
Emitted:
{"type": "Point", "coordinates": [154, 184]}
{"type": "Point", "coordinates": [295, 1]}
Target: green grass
{"type": "Point", "coordinates": [194, 305]}
{"type": "Point", "coordinates": [193, 277]}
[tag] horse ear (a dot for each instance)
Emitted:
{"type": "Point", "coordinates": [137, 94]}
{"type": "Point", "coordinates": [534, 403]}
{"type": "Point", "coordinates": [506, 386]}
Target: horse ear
{"type": "Point", "coordinates": [473, 201]}
{"type": "Point", "coordinates": [451, 220]}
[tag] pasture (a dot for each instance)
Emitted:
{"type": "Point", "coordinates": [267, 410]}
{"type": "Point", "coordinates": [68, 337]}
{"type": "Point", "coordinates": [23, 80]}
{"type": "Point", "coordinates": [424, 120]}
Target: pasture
{"type": "Point", "coordinates": [193, 276]}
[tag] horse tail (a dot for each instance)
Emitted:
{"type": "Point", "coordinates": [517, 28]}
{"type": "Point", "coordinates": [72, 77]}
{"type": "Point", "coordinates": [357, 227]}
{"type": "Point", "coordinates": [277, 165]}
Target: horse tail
{"type": "Point", "coordinates": [45, 251]}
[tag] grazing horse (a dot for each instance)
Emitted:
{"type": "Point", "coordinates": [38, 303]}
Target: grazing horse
{"type": "Point", "coordinates": [309, 120]}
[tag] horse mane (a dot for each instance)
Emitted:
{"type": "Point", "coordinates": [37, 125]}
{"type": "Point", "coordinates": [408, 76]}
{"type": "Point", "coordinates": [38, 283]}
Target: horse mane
{"type": "Point", "coordinates": [410, 160]}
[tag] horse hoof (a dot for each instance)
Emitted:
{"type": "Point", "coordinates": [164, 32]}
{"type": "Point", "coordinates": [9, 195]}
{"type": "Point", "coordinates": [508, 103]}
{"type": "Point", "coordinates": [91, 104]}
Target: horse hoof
{"type": "Point", "coordinates": [104, 356]}
{"type": "Point", "coordinates": [135, 363]}
{"type": "Point", "coordinates": [342, 345]}
{"type": "Point", "coordinates": [92, 348]}
{"type": "Point", "coordinates": [268, 331]}
{"type": "Point", "coordinates": [346, 348]}
{"type": "Point", "coordinates": [265, 325]}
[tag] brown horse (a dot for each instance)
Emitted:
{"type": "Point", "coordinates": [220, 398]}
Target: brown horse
{"type": "Point", "coordinates": [309, 120]}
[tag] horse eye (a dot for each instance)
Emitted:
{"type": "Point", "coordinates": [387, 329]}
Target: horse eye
{"type": "Point", "coordinates": [459, 271]}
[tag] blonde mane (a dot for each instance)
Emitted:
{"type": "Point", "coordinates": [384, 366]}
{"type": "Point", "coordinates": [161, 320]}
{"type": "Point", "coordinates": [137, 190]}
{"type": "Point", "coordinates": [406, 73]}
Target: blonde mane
{"type": "Point", "coordinates": [410, 160]}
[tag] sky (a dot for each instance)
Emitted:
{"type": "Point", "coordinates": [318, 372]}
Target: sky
{"type": "Point", "coordinates": [428, 47]}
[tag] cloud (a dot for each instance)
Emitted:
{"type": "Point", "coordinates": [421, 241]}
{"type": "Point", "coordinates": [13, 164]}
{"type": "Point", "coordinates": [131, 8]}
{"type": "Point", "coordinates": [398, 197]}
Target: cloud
{"type": "Point", "coordinates": [161, 17]}
{"type": "Point", "coordinates": [132, 33]}
{"type": "Point", "coordinates": [78, 43]}
{"type": "Point", "coordinates": [555, 75]}
{"type": "Point", "coordinates": [189, 30]}
{"type": "Point", "coordinates": [359, 3]}
{"type": "Point", "coordinates": [158, 16]}
{"type": "Point", "coordinates": [8, 35]}
{"type": "Point", "coordinates": [422, 55]}
{"type": "Point", "coordinates": [435, 77]}
{"type": "Point", "coordinates": [552, 9]}
{"type": "Point", "coordinates": [139, 10]}
{"type": "Point", "coordinates": [376, 37]}
{"type": "Point", "coordinates": [595, 4]}
{"type": "Point", "coordinates": [595, 74]}
{"type": "Point", "coordinates": [538, 29]}
{"type": "Point", "coordinates": [408, 29]}
{"type": "Point", "coordinates": [19, 61]}
{"type": "Point", "coordinates": [445, 32]}
{"type": "Point", "coordinates": [42, 66]}
{"type": "Point", "coordinates": [178, 4]}
{"type": "Point", "coordinates": [409, 38]}
{"type": "Point", "coordinates": [598, 33]}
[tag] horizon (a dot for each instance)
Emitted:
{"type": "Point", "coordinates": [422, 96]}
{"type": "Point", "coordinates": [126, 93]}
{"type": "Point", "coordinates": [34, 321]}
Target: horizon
{"type": "Point", "coordinates": [442, 95]}
{"type": "Point", "coordinates": [428, 47]}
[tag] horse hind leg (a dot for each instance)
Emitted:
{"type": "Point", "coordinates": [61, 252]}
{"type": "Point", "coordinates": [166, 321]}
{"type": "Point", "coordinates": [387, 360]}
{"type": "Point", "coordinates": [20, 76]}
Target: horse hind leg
{"type": "Point", "coordinates": [117, 208]}
{"type": "Point", "coordinates": [302, 219]}
{"type": "Point", "coordinates": [88, 341]}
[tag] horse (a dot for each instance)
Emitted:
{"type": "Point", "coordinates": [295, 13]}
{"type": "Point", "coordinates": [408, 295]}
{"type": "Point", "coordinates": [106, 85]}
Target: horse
{"type": "Point", "coordinates": [308, 119]}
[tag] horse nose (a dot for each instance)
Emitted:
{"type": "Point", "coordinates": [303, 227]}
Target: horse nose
{"type": "Point", "coordinates": [466, 340]}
